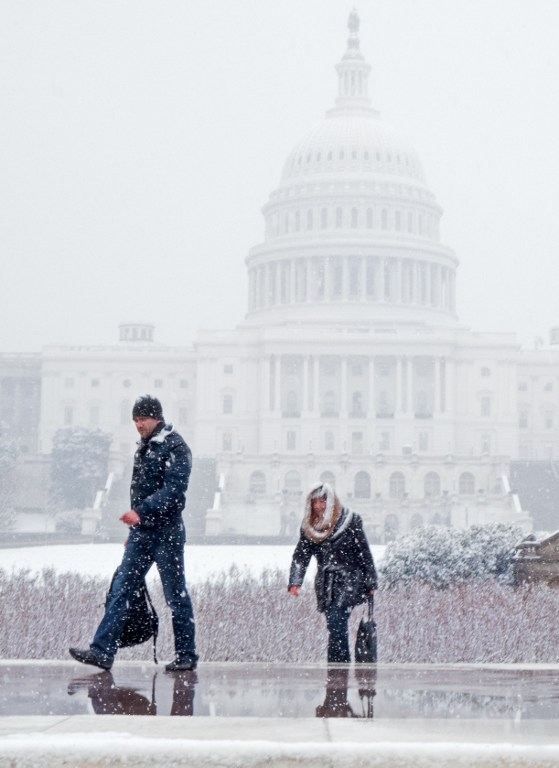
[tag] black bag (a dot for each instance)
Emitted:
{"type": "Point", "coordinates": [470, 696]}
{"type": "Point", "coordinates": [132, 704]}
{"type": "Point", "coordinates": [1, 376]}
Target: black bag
{"type": "Point", "coordinates": [366, 640]}
{"type": "Point", "coordinates": [141, 622]}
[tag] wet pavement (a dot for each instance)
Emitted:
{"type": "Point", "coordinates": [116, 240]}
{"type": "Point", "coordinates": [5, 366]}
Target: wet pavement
{"type": "Point", "coordinates": [396, 692]}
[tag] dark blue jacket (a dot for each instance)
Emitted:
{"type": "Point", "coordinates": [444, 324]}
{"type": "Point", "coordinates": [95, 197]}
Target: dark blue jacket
{"type": "Point", "coordinates": [346, 571]}
{"type": "Point", "coordinates": [160, 476]}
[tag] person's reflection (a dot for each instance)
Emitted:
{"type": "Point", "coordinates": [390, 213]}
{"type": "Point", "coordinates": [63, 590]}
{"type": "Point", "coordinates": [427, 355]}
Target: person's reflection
{"type": "Point", "coordinates": [110, 699]}
{"type": "Point", "coordinates": [366, 680]}
{"type": "Point", "coordinates": [335, 701]}
{"type": "Point", "coordinates": [184, 687]}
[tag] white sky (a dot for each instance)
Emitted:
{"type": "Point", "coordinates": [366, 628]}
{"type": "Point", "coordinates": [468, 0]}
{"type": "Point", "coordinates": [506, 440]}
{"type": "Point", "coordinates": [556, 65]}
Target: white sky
{"type": "Point", "coordinates": [141, 139]}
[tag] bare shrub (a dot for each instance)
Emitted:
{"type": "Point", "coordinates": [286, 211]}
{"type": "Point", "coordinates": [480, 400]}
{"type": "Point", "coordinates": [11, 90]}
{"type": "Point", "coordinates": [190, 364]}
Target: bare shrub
{"type": "Point", "coordinates": [243, 618]}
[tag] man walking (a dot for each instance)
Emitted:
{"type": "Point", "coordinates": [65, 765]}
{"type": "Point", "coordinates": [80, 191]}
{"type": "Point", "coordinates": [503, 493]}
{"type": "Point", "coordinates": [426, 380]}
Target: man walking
{"type": "Point", "coordinates": [162, 465]}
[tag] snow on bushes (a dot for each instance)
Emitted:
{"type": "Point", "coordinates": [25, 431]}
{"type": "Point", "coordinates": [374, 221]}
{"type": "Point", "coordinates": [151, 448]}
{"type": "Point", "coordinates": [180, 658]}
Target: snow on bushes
{"type": "Point", "coordinates": [445, 556]}
{"type": "Point", "coordinates": [243, 618]}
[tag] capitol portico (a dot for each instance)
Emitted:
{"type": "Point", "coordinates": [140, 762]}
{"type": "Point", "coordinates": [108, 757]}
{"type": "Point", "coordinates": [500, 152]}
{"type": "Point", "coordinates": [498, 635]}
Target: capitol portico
{"type": "Point", "coordinates": [350, 365]}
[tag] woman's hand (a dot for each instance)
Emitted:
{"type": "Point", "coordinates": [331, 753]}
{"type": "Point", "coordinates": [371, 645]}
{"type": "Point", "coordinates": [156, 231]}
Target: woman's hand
{"type": "Point", "coordinates": [294, 590]}
{"type": "Point", "coordinates": [372, 592]}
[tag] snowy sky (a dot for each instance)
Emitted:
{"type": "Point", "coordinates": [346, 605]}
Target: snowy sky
{"type": "Point", "coordinates": [143, 137]}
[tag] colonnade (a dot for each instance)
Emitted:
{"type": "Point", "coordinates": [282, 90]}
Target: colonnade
{"type": "Point", "coordinates": [386, 386]}
{"type": "Point", "coordinates": [351, 278]}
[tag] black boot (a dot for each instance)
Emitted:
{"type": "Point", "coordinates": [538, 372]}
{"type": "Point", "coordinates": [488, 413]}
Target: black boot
{"type": "Point", "coordinates": [181, 666]}
{"type": "Point", "coordinates": [89, 656]}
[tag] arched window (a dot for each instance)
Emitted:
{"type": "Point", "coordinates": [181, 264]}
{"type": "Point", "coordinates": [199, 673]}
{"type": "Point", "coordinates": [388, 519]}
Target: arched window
{"type": "Point", "coordinates": [466, 484]}
{"type": "Point", "coordinates": [410, 221]}
{"type": "Point", "coordinates": [354, 218]}
{"type": "Point", "coordinates": [257, 483]}
{"type": "Point", "coordinates": [292, 482]}
{"type": "Point", "coordinates": [291, 404]}
{"type": "Point", "coordinates": [397, 220]}
{"type": "Point", "coordinates": [297, 221]}
{"type": "Point", "coordinates": [328, 477]}
{"type": "Point", "coordinates": [226, 441]}
{"type": "Point", "coordinates": [323, 218]}
{"type": "Point", "coordinates": [369, 218]}
{"type": "Point", "coordinates": [227, 403]}
{"type": "Point", "coordinates": [362, 486]}
{"type": "Point", "coordinates": [396, 485]}
{"type": "Point", "coordinates": [432, 484]}
{"type": "Point", "coordinates": [357, 404]}
{"type": "Point", "coordinates": [329, 441]}
{"type": "Point", "coordinates": [339, 217]}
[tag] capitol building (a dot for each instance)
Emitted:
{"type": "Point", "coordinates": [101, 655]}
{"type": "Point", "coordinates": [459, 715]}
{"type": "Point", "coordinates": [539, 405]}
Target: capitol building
{"type": "Point", "coordinates": [350, 365]}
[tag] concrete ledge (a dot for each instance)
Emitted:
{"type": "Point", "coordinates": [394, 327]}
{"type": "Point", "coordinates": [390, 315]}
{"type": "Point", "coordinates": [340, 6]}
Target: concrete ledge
{"type": "Point", "coordinates": [105, 741]}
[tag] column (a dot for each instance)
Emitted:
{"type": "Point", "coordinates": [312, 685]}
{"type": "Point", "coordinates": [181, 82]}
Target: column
{"type": "Point", "coordinates": [316, 384]}
{"type": "Point", "coordinates": [363, 278]}
{"type": "Point", "coordinates": [398, 292]}
{"type": "Point", "coordinates": [407, 374]}
{"type": "Point", "coordinates": [437, 388]}
{"type": "Point", "coordinates": [371, 410]}
{"type": "Point", "coordinates": [345, 279]}
{"type": "Point", "coordinates": [305, 398]}
{"type": "Point", "coordinates": [277, 384]}
{"type": "Point", "coordinates": [266, 388]}
{"type": "Point", "coordinates": [398, 395]}
{"type": "Point", "coordinates": [292, 282]}
{"type": "Point", "coordinates": [382, 281]}
{"type": "Point", "coordinates": [343, 386]}
{"type": "Point", "coordinates": [428, 284]}
{"type": "Point", "coordinates": [327, 279]}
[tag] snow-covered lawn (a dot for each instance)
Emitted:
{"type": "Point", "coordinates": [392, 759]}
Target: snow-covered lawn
{"type": "Point", "coordinates": [201, 561]}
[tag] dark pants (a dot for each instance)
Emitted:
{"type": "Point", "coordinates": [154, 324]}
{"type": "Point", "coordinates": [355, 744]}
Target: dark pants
{"type": "Point", "coordinates": [165, 548]}
{"type": "Point", "coordinates": [338, 640]}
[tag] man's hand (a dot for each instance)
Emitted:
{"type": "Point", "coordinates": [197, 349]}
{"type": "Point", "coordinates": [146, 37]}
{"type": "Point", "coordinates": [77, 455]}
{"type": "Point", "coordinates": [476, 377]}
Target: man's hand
{"type": "Point", "coordinates": [294, 590]}
{"type": "Point", "coordinates": [130, 518]}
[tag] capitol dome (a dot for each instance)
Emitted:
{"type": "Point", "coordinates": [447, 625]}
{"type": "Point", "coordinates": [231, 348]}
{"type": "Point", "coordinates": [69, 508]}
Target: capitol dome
{"type": "Point", "coordinates": [352, 230]}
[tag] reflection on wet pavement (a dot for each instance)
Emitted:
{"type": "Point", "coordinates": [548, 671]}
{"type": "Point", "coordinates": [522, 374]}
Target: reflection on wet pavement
{"type": "Point", "coordinates": [261, 690]}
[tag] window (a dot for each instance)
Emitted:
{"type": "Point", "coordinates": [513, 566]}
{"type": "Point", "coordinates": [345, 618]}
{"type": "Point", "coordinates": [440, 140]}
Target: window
{"type": "Point", "coordinates": [227, 403]}
{"type": "Point", "coordinates": [310, 223]}
{"type": "Point", "coordinates": [354, 218]}
{"type": "Point", "coordinates": [523, 419]}
{"type": "Point", "coordinates": [257, 483]}
{"type": "Point", "coordinates": [523, 386]}
{"type": "Point", "coordinates": [485, 406]}
{"type": "Point", "coordinates": [397, 220]}
{"type": "Point", "coordinates": [158, 383]}
{"type": "Point", "coordinates": [323, 218]}
{"type": "Point", "coordinates": [292, 483]}
{"type": "Point", "coordinates": [95, 382]}
{"type": "Point", "coordinates": [548, 387]}
{"type": "Point", "coordinates": [357, 442]}
{"type": "Point", "coordinates": [423, 441]}
{"type": "Point", "coordinates": [94, 413]}
{"type": "Point", "coordinates": [362, 486]}
{"type": "Point", "coordinates": [357, 409]}
{"type": "Point", "coordinates": [369, 218]}
{"type": "Point", "coordinates": [432, 484]}
{"type": "Point", "coordinates": [290, 440]}
{"type": "Point", "coordinates": [69, 383]}
{"type": "Point", "coordinates": [486, 444]}
{"type": "Point", "coordinates": [548, 419]}
{"type": "Point", "coordinates": [384, 441]}
{"type": "Point", "coordinates": [466, 484]}
{"type": "Point", "coordinates": [485, 372]}
{"type": "Point", "coordinates": [183, 383]}
{"type": "Point", "coordinates": [329, 441]}
{"type": "Point", "coordinates": [68, 415]}
{"type": "Point", "coordinates": [297, 221]}
{"type": "Point", "coordinates": [228, 368]}
{"type": "Point", "coordinates": [329, 406]}
{"type": "Point", "coordinates": [226, 441]}
{"type": "Point", "coordinates": [339, 217]}
{"type": "Point", "coordinates": [384, 219]}
{"type": "Point", "coordinates": [396, 485]}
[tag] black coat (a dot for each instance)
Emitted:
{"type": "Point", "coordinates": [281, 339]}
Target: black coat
{"type": "Point", "coordinates": [160, 476]}
{"type": "Point", "coordinates": [346, 572]}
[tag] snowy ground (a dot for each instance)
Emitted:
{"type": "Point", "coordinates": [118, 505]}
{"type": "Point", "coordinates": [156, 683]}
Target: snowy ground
{"type": "Point", "coordinates": [202, 562]}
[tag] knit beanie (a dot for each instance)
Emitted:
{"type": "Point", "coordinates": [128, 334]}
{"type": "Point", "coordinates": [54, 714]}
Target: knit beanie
{"type": "Point", "coordinates": [147, 407]}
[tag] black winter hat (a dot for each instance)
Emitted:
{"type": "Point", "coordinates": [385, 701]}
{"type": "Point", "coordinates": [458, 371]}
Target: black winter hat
{"type": "Point", "coordinates": [148, 407]}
